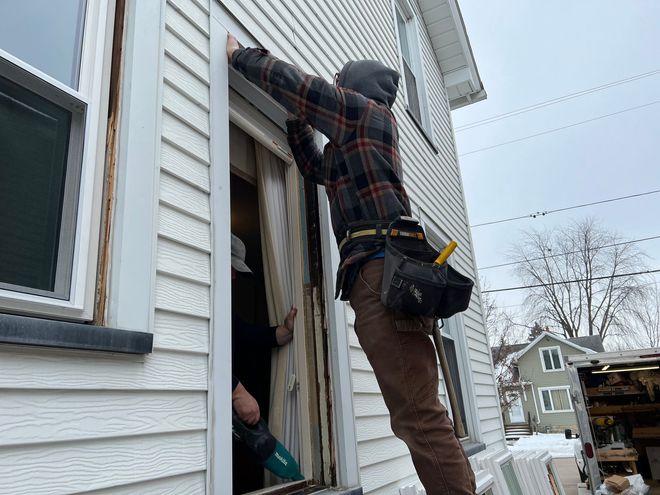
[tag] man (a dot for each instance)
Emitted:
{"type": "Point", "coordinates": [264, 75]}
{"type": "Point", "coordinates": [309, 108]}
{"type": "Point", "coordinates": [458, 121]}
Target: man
{"type": "Point", "coordinates": [251, 350]}
{"type": "Point", "coordinates": [247, 338]}
{"type": "Point", "coordinates": [361, 171]}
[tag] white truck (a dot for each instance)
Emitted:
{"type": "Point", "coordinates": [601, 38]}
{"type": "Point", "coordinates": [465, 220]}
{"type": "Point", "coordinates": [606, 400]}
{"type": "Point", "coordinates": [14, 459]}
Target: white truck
{"type": "Point", "coordinates": [616, 398]}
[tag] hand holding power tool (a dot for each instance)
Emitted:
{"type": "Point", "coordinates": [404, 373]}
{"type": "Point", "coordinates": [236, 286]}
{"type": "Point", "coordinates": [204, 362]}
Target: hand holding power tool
{"type": "Point", "coordinates": [267, 449]}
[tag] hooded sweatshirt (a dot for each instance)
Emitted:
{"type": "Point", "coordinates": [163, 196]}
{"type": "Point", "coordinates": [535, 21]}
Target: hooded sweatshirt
{"type": "Point", "coordinates": [360, 166]}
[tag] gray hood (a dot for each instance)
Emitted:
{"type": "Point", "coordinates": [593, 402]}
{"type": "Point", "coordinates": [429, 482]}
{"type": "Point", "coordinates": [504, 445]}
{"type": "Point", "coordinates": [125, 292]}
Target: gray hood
{"type": "Point", "coordinates": [371, 79]}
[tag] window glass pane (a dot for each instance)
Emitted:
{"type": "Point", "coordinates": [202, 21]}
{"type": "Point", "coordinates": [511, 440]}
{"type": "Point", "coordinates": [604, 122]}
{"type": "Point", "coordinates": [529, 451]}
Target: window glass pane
{"type": "Point", "coordinates": [511, 479]}
{"type": "Point", "coordinates": [560, 399]}
{"type": "Point", "coordinates": [46, 34]}
{"type": "Point", "coordinates": [34, 137]}
{"type": "Point", "coordinates": [452, 361]}
{"type": "Point", "coordinates": [547, 404]}
{"type": "Point", "coordinates": [489, 492]}
{"type": "Point", "coordinates": [547, 360]}
{"type": "Point", "coordinates": [411, 89]}
{"type": "Point", "coordinates": [556, 359]}
{"type": "Point", "coordinates": [403, 36]}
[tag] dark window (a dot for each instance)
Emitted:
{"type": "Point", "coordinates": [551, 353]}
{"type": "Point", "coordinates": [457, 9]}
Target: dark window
{"type": "Point", "coordinates": [34, 142]}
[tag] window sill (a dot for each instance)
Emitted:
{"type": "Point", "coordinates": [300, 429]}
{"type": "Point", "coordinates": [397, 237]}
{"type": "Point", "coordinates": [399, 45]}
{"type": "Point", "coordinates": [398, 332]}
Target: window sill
{"type": "Point", "coordinates": [472, 448]}
{"type": "Point", "coordinates": [24, 330]}
{"type": "Point", "coordinates": [421, 129]}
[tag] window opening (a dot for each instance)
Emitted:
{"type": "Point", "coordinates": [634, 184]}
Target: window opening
{"type": "Point", "coordinates": [259, 185]}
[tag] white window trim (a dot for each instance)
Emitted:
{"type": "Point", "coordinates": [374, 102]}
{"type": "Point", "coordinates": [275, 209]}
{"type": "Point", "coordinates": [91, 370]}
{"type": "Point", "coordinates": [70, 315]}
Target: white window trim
{"type": "Point", "coordinates": [493, 463]}
{"type": "Point", "coordinates": [550, 389]}
{"type": "Point", "coordinates": [561, 358]}
{"type": "Point", "coordinates": [93, 87]}
{"type": "Point", "coordinates": [485, 481]}
{"type": "Point", "coordinates": [412, 22]}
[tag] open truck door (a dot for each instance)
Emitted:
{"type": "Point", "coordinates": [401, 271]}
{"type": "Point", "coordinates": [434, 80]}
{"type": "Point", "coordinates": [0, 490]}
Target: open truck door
{"type": "Point", "coordinates": [588, 450]}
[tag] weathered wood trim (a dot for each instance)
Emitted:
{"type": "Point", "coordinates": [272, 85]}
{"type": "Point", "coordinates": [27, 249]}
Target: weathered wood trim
{"type": "Point", "coordinates": [111, 163]}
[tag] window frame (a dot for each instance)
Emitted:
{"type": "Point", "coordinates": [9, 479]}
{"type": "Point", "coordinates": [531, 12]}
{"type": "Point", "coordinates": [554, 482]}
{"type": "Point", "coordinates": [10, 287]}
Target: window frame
{"type": "Point", "coordinates": [404, 9]}
{"type": "Point", "coordinates": [561, 359]}
{"type": "Point", "coordinates": [493, 463]}
{"type": "Point", "coordinates": [83, 214]}
{"type": "Point", "coordinates": [567, 388]}
{"type": "Point", "coordinates": [485, 481]}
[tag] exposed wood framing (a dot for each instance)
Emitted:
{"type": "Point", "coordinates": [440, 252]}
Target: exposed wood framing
{"type": "Point", "coordinates": [111, 146]}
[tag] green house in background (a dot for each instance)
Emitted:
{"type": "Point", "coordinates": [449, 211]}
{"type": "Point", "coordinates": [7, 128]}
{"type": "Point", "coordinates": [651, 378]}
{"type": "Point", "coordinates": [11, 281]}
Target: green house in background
{"type": "Point", "coordinates": [539, 391]}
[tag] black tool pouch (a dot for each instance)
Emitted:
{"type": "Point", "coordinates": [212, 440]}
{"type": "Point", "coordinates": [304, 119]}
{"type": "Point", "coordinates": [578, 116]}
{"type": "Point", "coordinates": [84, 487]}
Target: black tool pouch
{"type": "Point", "coordinates": [412, 284]}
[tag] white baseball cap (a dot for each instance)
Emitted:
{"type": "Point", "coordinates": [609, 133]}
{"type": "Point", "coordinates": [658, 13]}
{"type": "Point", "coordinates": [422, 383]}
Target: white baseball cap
{"type": "Point", "coordinates": [238, 255]}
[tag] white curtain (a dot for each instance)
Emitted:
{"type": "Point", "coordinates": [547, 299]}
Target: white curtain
{"type": "Point", "coordinates": [276, 244]}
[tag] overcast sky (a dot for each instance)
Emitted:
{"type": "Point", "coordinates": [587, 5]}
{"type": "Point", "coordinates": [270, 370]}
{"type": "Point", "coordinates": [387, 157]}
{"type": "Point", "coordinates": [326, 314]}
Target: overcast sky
{"type": "Point", "coordinates": [527, 52]}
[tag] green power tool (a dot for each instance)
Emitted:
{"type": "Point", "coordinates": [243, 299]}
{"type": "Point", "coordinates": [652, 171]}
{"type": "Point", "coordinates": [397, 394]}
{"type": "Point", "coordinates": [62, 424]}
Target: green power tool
{"type": "Point", "coordinates": [268, 450]}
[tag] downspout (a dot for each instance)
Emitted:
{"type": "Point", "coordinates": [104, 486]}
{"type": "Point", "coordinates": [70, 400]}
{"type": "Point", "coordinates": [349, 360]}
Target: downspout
{"type": "Point", "coordinates": [536, 407]}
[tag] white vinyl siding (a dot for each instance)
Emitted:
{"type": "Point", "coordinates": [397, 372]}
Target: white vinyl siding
{"type": "Point", "coordinates": [77, 422]}
{"type": "Point", "coordinates": [321, 37]}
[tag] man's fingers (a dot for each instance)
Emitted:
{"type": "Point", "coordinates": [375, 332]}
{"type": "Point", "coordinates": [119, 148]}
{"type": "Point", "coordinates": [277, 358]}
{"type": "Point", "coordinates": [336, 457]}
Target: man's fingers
{"type": "Point", "coordinates": [232, 45]}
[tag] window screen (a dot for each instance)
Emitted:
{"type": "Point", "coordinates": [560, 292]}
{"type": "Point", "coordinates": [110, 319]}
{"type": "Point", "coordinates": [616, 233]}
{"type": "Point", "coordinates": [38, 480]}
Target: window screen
{"type": "Point", "coordinates": [34, 141]}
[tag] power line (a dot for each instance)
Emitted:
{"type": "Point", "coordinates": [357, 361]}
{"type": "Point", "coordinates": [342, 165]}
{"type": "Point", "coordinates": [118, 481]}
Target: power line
{"type": "Point", "coordinates": [566, 254]}
{"type": "Point", "coordinates": [553, 101]}
{"type": "Point", "coordinates": [571, 281]}
{"type": "Point", "coordinates": [548, 212]}
{"type": "Point", "coordinates": [479, 150]}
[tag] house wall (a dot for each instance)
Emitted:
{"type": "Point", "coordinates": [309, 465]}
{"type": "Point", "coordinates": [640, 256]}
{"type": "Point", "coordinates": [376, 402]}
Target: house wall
{"type": "Point", "coordinates": [73, 421]}
{"type": "Point", "coordinates": [531, 370]}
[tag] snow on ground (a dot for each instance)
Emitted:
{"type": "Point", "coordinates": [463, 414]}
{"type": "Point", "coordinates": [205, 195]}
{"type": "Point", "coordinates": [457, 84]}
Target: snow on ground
{"type": "Point", "coordinates": [555, 443]}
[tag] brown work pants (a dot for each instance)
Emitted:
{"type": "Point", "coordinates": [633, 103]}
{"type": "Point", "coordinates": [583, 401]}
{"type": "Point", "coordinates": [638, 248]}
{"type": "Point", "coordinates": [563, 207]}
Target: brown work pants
{"type": "Point", "coordinates": [403, 358]}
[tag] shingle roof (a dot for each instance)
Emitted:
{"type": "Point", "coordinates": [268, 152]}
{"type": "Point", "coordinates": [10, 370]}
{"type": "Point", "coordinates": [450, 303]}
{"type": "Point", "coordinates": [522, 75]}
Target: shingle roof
{"type": "Point", "coordinates": [593, 342]}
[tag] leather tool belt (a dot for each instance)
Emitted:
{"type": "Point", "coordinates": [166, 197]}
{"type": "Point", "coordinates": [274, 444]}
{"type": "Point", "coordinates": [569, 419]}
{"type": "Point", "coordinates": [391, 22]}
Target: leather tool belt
{"type": "Point", "coordinates": [368, 231]}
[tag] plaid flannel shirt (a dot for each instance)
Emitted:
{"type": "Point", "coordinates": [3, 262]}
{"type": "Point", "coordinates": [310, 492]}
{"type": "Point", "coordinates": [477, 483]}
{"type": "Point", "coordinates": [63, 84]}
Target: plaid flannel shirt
{"type": "Point", "coordinates": [360, 166]}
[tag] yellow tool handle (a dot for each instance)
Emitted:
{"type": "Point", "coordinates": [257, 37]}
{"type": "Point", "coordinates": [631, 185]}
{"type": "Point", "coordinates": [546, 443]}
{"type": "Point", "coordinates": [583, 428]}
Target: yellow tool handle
{"type": "Point", "coordinates": [446, 252]}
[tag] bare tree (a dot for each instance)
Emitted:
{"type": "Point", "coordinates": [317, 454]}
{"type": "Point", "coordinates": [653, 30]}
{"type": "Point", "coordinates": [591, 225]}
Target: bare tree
{"type": "Point", "coordinates": [502, 335]}
{"type": "Point", "coordinates": [645, 320]}
{"type": "Point", "coordinates": [581, 273]}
